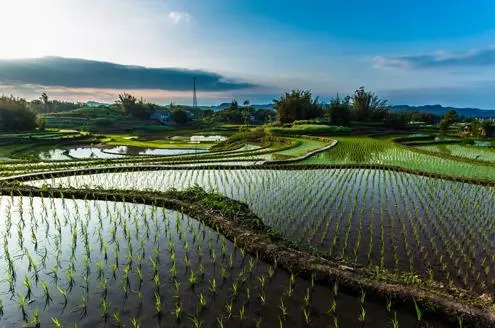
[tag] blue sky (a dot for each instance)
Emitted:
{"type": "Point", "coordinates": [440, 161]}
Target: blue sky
{"type": "Point", "coordinates": [408, 52]}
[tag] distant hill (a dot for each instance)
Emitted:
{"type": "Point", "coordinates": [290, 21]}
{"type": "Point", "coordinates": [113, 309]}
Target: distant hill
{"type": "Point", "coordinates": [440, 110]}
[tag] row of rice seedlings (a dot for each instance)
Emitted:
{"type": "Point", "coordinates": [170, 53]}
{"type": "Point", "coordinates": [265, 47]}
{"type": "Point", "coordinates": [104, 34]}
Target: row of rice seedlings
{"type": "Point", "coordinates": [350, 150]}
{"type": "Point", "coordinates": [127, 254]}
{"type": "Point", "coordinates": [296, 207]}
{"type": "Point", "coordinates": [468, 233]}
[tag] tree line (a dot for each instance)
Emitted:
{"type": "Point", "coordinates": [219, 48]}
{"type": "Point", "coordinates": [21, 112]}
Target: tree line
{"type": "Point", "coordinates": [362, 106]}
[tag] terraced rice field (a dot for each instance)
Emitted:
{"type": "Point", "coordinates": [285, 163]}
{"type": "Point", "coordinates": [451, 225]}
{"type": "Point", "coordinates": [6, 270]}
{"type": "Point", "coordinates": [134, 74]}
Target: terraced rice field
{"type": "Point", "coordinates": [376, 218]}
{"type": "Point", "coordinates": [68, 263]}
{"type": "Point", "coordinates": [354, 150]}
{"type": "Point", "coordinates": [466, 151]}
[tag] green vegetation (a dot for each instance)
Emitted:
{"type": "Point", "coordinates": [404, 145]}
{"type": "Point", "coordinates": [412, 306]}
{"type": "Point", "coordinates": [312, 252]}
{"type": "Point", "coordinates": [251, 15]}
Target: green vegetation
{"type": "Point", "coordinates": [151, 141]}
{"type": "Point", "coordinates": [16, 115]}
{"type": "Point", "coordinates": [301, 147]}
{"type": "Point", "coordinates": [448, 119]}
{"type": "Point", "coordinates": [309, 129]}
{"type": "Point", "coordinates": [339, 112]}
{"type": "Point", "coordinates": [466, 151]}
{"type": "Point", "coordinates": [130, 105]}
{"type": "Point", "coordinates": [179, 115]}
{"type": "Point", "coordinates": [367, 106]}
{"type": "Point", "coordinates": [238, 140]}
{"type": "Point", "coordinates": [46, 105]}
{"type": "Point", "coordinates": [297, 105]}
{"type": "Point", "coordinates": [366, 150]}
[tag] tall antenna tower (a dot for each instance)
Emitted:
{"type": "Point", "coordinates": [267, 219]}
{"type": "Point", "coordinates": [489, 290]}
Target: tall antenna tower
{"type": "Point", "coordinates": [195, 99]}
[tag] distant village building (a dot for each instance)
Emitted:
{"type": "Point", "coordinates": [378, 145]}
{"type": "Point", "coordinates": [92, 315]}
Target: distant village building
{"type": "Point", "coordinates": [199, 139]}
{"type": "Point", "coordinates": [161, 116]}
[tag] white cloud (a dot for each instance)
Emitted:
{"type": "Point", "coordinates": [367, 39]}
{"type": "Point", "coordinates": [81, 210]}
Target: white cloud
{"type": "Point", "coordinates": [177, 17]}
{"type": "Point", "coordinates": [441, 59]}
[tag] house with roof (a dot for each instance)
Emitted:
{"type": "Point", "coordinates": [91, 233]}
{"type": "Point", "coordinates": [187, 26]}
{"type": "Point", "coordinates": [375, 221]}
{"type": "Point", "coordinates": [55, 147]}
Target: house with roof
{"type": "Point", "coordinates": [162, 117]}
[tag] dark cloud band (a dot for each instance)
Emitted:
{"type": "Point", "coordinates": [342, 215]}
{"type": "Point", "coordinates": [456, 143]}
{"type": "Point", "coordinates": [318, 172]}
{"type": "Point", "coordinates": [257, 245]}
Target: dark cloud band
{"type": "Point", "coordinates": [80, 73]}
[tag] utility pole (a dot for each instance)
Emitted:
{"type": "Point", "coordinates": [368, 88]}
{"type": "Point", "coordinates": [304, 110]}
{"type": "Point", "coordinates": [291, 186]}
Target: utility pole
{"type": "Point", "coordinates": [195, 99]}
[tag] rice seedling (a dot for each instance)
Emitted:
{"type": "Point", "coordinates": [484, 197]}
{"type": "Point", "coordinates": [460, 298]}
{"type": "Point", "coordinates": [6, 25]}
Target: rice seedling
{"type": "Point", "coordinates": [46, 292]}
{"type": "Point", "coordinates": [228, 309]}
{"type": "Point", "coordinates": [257, 322]}
{"type": "Point", "coordinates": [178, 310]}
{"type": "Point", "coordinates": [22, 307]}
{"type": "Point", "coordinates": [213, 286]}
{"type": "Point", "coordinates": [242, 313]}
{"type": "Point", "coordinates": [36, 322]}
{"type": "Point", "coordinates": [395, 322]}
{"type": "Point", "coordinates": [201, 302]}
{"type": "Point", "coordinates": [195, 321]}
{"type": "Point", "coordinates": [27, 283]}
{"type": "Point", "coordinates": [135, 323]}
{"type": "Point", "coordinates": [419, 312]}
{"type": "Point", "coordinates": [117, 320]}
{"type": "Point", "coordinates": [105, 308]}
{"type": "Point", "coordinates": [283, 309]}
{"type": "Point", "coordinates": [307, 315]}
{"type": "Point", "coordinates": [362, 315]}
{"type": "Point", "coordinates": [56, 322]}
{"type": "Point", "coordinates": [158, 304]}
{"type": "Point", "coordinates": [220, 323]}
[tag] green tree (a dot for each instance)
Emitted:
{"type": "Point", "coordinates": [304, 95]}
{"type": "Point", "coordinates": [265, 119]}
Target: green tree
{"type": "Point", "coordinates": [263, 115]}
{"type": "Point", "coordinates": [367, 106]}
{"type": "Point", "coordinates": [339, 111]}
{"type": "Point", "coordinates": [130, 105]}
{"type": "Point", "coordinates": [179, 115]}
{"type": "Point", "coordinates": [16, 115]}
{"type": "Point", "coordinates": [44, 98]}
{"type": "Point", "coordinates": [486, 129]}
{"type": "Point", "coordinates": [427, 118]}
{"type": "Point", "coordinates": [297, 105]}
{"type": "Point", "coordinates": [397, 120]}
{"type": "Point", "coordinates": [234, 105]}
{"type": "Point", "coordinates": [45, 102]}
{"type": "Point", "coordinates": [246, 112]}
{"type": "Point", "coordinates": [448, 119]}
